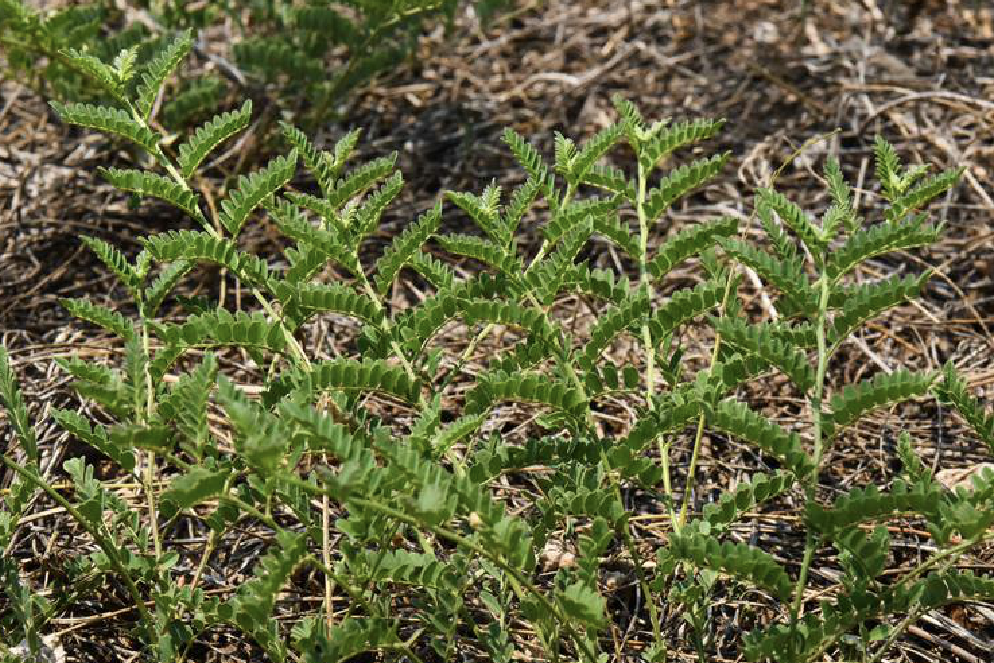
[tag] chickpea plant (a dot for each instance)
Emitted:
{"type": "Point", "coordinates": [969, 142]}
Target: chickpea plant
{"type": "Point", "coordinates": [416, 515]}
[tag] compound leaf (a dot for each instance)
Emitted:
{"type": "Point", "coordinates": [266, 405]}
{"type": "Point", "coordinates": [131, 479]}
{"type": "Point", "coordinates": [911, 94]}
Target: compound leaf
{"type": "Point", "coordinates": [360, 179]}
{"type": "Point", "coordinates": [435, 271]}
{"type": "Point", "coordinates": [207, 137]}
{"type": "Point", "coordinates": [108, 120]}
{"type": "Point", "coordinates": [156, 186]}
{"type": "Point", "coordinates": [321, 244]}
{"type": "Point", "coordinates": [922, 194]}
{"type": "Point", "coordinates": [195, 486]}
{"type": "Point", "coordinates": [480, 249]}
{"type": "Point", "coordinates": [634, 308]}
{"type": "Point", "coordinates": [95, 436]}
{"type": "Point", "coordinates": [115, 261]}
{"type": "Point", "coordinates": [591, 151]}
{"type": "Point", "coordinates": [866, 243]}
{"type": "Point", "coordinates": [688, 242]}
{"type": "Point", "coordinates": [13, 401]}
{"type": "Point", "coordinates": [545, 278]}
{"type": "Point", "coordinates": [791, 216]}
{"type": "Point", "coordinates": [100, 316]}
{"type": "Point", "coordinates": [361, 375]}
{"type": "Point", "coordinates": [952, 390]}
{"type": "Point", "coordinates": [680, 182]}
{"type": "Point", "coordinates": [867, 301]}
{"type": "Point", "coordinates": [742, 561]}
{"type": "Point", "coordinates": [610, 179]}
{"type": "Point", "coordinates": [526, 154]}
{"type": "Point", "coordinates": [311, 298]}
{"type": "Point", "coordinates": [787, 274]}
{"type": "Point", "coordinates": [484, 210]}
{"type": "Point", "coordinates": [765, 341]}
{"type": "Point", "coordinates": [523, 388]}
{"type": "Point", "coordinates": [882, 390]}
{"type": "Point", "coordinates": [167, 279]}
{"type": "Point", "coordinates": [673, 137]}
{"type": "Point", "coordinates": [738, 419]}
{"type": "Point", "coordinates": [685, 305]}
{"type": "Point", "coordinates": [158, 69]}
{"type": "Point", "coordinates": [195, 246]}
{"type": "Point", "coordinates": [253, 190]}
{"type": "Point", "coordinates": [368, 215]}
{"type": "Point", "coordinates": [403, 247]}
{"type": "Point", "coordinates": [868, 503]}
{"type": "Point", "coordinates": [747, 495]}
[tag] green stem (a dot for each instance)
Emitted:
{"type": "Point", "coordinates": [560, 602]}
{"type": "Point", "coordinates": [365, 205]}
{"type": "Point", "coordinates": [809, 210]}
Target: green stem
{"type": "Point", "coordinates": [816, 404]}
{"type": "Point", "coordinates": [149, 475]}
{"type": "Point", "coordinates": [819, 391]}
{"type": "Point", "coordinates": [105, 544]}
{"type": "Point", "coordinates": [699, 436]}
{"type": "Point", "coordinates": [385, 323]}
{"type": "Point", "coordinates": [153, 514]}
{"type": "Point", "coordinates": [664, 457]}
{"type": "Point", "coordinates": [646, 282]}
{"type": "Point", "coordinates": [563, 359]}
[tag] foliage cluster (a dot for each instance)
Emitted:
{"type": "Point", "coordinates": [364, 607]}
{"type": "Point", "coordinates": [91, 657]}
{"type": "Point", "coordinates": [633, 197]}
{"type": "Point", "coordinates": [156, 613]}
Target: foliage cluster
{"type": "Point", "coordinates": [412, 481]}
{"type": "Point", "coordinates": [298, 57]}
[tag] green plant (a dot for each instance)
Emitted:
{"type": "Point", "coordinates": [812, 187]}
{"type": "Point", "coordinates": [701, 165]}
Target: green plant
{"type": "Point", "coordinates": [819, 314]}
{"type": "Point", "coordinates": [396, 500]}
{"type": "Point", "coordinates": [302, 57]}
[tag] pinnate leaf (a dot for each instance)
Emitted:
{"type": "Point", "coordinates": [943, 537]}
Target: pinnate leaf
{"type": "Point", "coordinates": [680, 182]}
{"type": "Point", "coordinates": [253, 190]}
{"type": "Point", "coordinates": [158, 69]}
{"type": "Point", "coordinates": [763, 340]}
{"type": "Point", "coordinates": [740, 420]}
{"type": "Point", "coordinates": [13, 401]}
{"type": "Point", "coordinates": [108, 120]}
{"type": "Point", "coordinates": [952, 390]}
{"type": "Point", "coordinates": [688, 242]}
{"type": "Point", "coordinates": [156, 186]}
{"type": "Point", "coordinates": [195, 486]}
{"type": "Point", "coordinates": [889, 236]}
{"type": "Point", "coordinates": [100, 316]}
{"type": "Point", "coordinates": [207, 137]}
{"type": "Point", "coordinates": [403, 248]}
{"type": "Point", "coordinates": [739, 560]}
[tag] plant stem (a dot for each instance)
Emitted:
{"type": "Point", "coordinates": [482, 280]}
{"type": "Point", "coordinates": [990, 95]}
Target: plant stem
{"type": "Point", "coordinates": [664, 458]}
{"type": "Point", "coordinates": [153, 514]}
{"type": "Point", "coordinates": [811, 541]}
{"type": "Point", "coordinates": [819, 389]}
{"type": "Point", "coordinates": [646, 283]}
{"type": "Point", "coordinates": [385, 323]}
{"type": "Point", "coordinates": [699, 435]}
{"type": "Point", "coordinates": [329, 584]}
